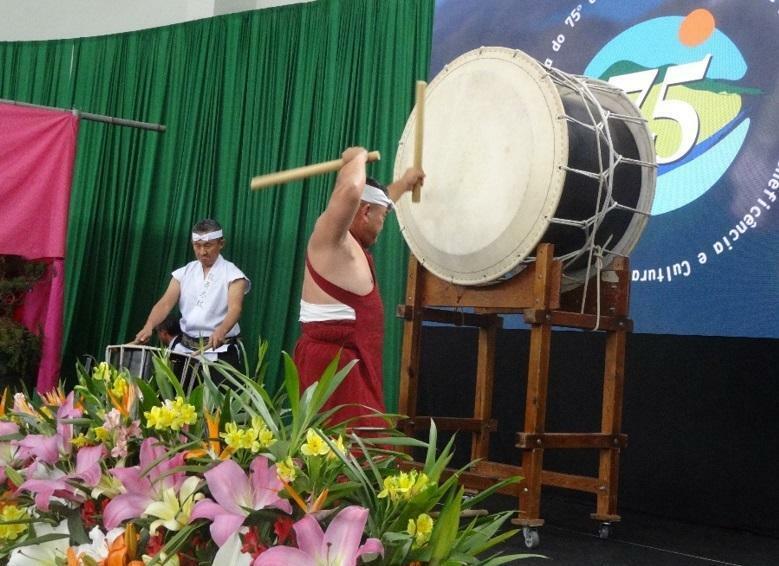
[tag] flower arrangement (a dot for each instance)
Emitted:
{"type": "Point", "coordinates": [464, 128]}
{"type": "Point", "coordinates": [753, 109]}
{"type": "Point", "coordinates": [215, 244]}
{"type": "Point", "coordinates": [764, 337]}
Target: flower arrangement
{"type": "Point", "coordinates": [129, 471]}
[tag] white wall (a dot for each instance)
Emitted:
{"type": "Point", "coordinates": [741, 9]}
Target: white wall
{"type": "Point", "coordinates": [23, 20]}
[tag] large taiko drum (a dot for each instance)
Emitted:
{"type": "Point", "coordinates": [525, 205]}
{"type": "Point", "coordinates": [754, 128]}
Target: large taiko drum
{"type": "Point", "coordinates": [516, 154]}
{"type": "Point", "coordinates": [139, 361]}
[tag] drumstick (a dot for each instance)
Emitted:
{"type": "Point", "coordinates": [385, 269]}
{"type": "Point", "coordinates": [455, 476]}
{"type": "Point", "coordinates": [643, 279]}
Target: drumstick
{"type": "Point", "coordinates": [418, 133]}
{"type": "Point", "coordinates": [281, 177]}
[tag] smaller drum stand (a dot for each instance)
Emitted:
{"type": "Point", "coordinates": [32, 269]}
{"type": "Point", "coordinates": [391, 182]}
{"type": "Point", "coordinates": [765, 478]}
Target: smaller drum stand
{"type": "Point", "coordinates": [536, 293]}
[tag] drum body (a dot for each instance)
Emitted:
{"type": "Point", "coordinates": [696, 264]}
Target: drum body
{"type": "Point", "coordinates": [139, 362]}
{"type": "Point", "coordinates": [516, 154]}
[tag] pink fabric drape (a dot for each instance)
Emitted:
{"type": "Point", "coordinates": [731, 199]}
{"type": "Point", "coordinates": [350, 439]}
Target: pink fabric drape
{"type": "Point", "coordinates": [37, 151]}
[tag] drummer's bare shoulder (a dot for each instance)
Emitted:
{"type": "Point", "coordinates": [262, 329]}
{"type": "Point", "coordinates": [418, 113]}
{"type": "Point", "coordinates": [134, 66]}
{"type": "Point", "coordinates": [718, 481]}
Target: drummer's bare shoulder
{"type": "Point", "coordinates": [344, 266]}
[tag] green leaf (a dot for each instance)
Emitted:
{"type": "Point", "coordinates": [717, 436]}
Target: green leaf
{"type": "Point", "coordinates": [509, 558]}
{"type": "Point", "coordinates": [148, 396]}
{"type": "Point", "coordinates": [163, 374]}
{"type": "Point", "coordinates": [482, 495]}
{"type": "Point", "coordinates": [445, 529]}
{"type": "Point", "coordinates": [292, 385]}
{"type": "Point", "coordinates": [14, 476]}
{"type": "Point", "coordinates": [432, 446]}
{"type": "Point", "coordinates": [76, 528]}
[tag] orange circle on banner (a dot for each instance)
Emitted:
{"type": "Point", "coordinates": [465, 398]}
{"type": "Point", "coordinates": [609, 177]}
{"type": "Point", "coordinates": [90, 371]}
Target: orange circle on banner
{"type": "Point", "coordinates": [696, 27]}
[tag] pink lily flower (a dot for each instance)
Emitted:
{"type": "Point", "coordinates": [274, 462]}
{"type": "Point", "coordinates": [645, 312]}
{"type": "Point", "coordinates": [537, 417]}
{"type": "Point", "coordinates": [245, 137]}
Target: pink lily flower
{"type": "Point", "coordinates": [43, 448]}
{"type": "Point", "coordinates": [46, 483]}
{"type": "Point", "coordinates": [237, 495]}
{"type": "Point", "coordinates": [65, 431]}
{"type": "Point", "coordinates": [141, 489]}
{"type": "Point", "coordinates": [339, 546]}
{"type": "Point", "coordinates": [48, 449]}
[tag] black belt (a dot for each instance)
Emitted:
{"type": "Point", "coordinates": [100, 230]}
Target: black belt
{"type": "Point", "coordinates": [196, 343]}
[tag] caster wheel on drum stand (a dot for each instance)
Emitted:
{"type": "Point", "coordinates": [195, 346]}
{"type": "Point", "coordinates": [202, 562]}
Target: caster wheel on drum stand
{"type": "Point", "coordinates": [532, 538]}
{"type": "Point", "coordinates": [604, 530]}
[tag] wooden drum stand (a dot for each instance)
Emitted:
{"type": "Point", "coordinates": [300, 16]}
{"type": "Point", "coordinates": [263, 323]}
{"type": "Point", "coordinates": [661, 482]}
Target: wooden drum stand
{"type": "Point", "coordinates": [536, 293]}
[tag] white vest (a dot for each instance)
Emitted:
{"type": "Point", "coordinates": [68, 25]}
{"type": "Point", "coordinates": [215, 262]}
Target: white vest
{"type": "Point", "coordinates": [203, 300]}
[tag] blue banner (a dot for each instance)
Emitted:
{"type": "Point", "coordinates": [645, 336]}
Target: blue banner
{"type": "Point", "coordinates": [705, 75]}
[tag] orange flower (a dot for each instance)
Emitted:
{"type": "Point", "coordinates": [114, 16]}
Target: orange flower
{"type": "Point", "coordinates": [214, 446]}
{"type": "Point", "coordinates": [2, 401]}
{"type": "Point", "coordinates": [124, 549]}
{"type": "Point", "coordinates": [21, 405]}
{"type": "Point", "coordinates": [124, 403]}
{"type": "Point", "coordinates": [316, 506]}
{"type": "Point", "coordinates": [55, 397]}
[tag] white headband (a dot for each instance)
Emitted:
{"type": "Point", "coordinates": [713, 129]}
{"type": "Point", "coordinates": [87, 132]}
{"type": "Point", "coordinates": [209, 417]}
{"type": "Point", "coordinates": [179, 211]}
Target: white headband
{"type": "Point", "coordinates": [376, 196]}
{"type": "Point", "coordinates": [215, 235]}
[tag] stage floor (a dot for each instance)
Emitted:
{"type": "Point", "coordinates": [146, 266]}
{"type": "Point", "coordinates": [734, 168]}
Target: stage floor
{"type": "Point", "coordinates": [569, 538]}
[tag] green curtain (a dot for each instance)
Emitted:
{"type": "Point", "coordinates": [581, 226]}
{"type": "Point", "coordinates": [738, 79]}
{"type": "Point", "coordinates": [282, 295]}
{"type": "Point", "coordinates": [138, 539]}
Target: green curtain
{"type": "Point", "coordinates": [240, 95]}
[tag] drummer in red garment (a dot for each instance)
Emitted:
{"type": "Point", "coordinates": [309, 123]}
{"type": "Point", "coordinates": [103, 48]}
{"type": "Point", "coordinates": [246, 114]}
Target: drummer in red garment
{"type": "Point", "coordinates": [341, 309]}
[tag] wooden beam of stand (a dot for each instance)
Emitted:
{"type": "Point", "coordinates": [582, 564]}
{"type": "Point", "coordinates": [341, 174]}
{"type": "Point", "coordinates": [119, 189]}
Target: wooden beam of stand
{"type": "Point", "coordinates": [281, 177]}
{"type": "Point", "coordinates": [418, 135]}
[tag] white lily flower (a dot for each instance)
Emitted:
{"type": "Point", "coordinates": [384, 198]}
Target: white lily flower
{"type": "Point", "coordinates": [100, 545]}
{"type": "Point", "coordinates": [230, 552]}
{"type": "Point", "coordinates": [174, 510]}
{"type": "Point", "coordinates": [46, 553]}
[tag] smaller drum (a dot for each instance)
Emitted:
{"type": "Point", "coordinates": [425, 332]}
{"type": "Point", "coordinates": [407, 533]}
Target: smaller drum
{"type": "Point", "coordinates": [139, 361]}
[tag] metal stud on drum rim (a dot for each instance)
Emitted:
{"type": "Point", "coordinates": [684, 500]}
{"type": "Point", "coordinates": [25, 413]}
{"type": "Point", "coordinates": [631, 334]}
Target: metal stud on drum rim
{"type": "Point", "coordinates": [497, 162]}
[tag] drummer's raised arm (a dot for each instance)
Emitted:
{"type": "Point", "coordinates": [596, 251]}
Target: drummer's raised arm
{"type": "Point", "coordinates": [406, 183]}
{"type": "Point", "coordinates": [333, 224]}
{"type": "Point", "coordinates": [159, 311]}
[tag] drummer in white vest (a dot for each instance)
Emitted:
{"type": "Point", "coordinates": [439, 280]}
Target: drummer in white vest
{"type": "Point", "coordinates": [209, 292]}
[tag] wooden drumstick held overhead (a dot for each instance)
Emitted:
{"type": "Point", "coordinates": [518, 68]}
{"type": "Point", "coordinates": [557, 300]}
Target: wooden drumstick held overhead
{"type": "Point", "coordinates": [281, 177]}
{"type": "Point", "coordinates": [418, 134]}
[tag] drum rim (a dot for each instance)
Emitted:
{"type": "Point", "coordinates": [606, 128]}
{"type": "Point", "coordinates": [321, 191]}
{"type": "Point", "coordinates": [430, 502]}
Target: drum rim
{"type": "Point", "coordinates": [145, 348]}
{"type": "Point", "coordinates": [551, 199]}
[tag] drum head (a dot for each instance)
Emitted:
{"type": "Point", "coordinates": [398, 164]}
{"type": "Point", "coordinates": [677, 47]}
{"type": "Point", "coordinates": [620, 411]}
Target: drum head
{"type": "Point", "coordinates": [493, 146]}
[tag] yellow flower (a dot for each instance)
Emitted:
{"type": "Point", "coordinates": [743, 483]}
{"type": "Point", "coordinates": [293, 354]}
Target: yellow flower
{"type": "Point", "coordinates": [157, 418]}
{"type": "Point", "coordinates": [404, 485]}
{"type": "Point", "coordinates": [232, 435]}
{"type": "Point", "coordinates": [264, 435]}
{"type": "Point", "coordinates": [265, 438]}
{"type": "Point", "coordinates": [286, 470]}
{"type": "Point", "coordinates": [102, 434]}
{"type": "Point", "coordinates": [8, 530]}
{"type": "Point", "coordinates": [421, 529]}
{"type": "Point", "coordinates": [120, 387]}
{"type": "Point", "coordinates": [173, 415]}
{"type": "Point", "coordinates": [253, 439]}
{"type": "Point", "coordinates": [102, 372]}
{"type": "Point", "coordinates": [183, 413]}
{"type": "Point", "coordinates": [82, 440]}
{"type": "Point", "coordinates": [339, 446]}
{"type": "Point", "coordinates": [315, 445]}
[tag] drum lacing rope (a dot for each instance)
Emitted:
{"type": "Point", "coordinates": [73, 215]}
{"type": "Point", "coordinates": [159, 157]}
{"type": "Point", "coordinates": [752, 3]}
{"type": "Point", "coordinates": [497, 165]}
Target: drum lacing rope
{"type": "Point", "coordinates": [599, 268]}
{"type": "Point", "coordinates": [605, 205]}
{"type": "Point", "coordinates": [598, 253]}
{"type": "Point", "coordinates": [606, 176]}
